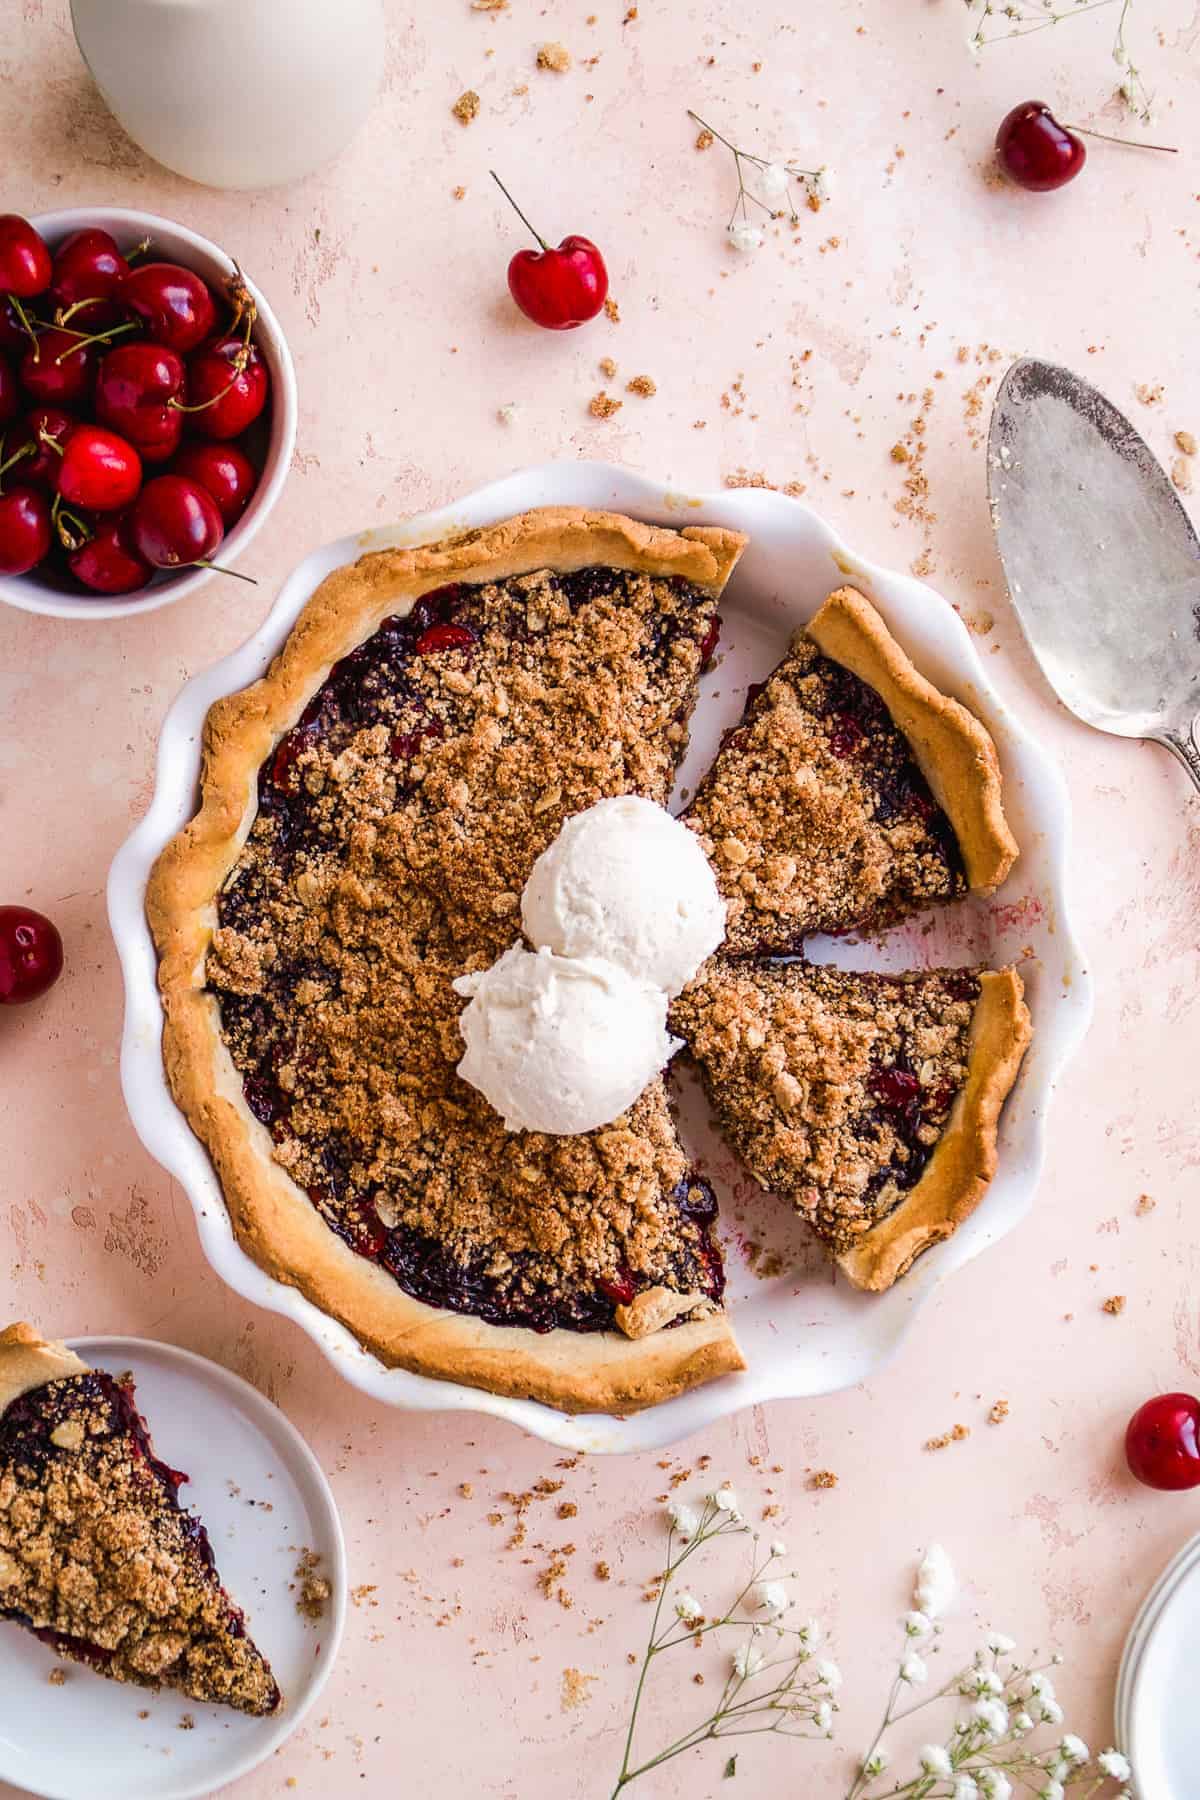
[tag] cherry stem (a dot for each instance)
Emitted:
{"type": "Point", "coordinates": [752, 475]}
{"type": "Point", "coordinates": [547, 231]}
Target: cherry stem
{"type": "Point", "coordinates": [1129, 143]}
{"type": "Point", "coordinates": [25, 323]}
{"type": "Point", "coordinates": [26, 449]}
{"type": "Point", "coordinates": [73, 532]}
{"type": "Point", "coordinates": [98, 337]}
{"type": "Point", "coordinates": [239, 365]}
{"type": "Point", "coordinates": [537, 234]}
{"type": "Point", "coordinates": [138, 250]}
{"type": "Point", "coordinates": [48, 438]}
{"type": "Point", "coordinates": [221, 569]}
{"type": "Point", "coordinates": [64, 314]}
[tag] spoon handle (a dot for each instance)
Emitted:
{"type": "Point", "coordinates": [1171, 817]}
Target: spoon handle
{"type": "Point", "coordinates": [1183, 745]}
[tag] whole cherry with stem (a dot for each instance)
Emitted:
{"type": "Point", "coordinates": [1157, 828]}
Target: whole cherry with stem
{"type": "Point", "coordinates": [174, 304]}
{"type": "Point", "coordinates": [135, 385]}
{"type": "Point", "coordinates": [98, 470]}
{"type": "Point", "coordinates": [175, 523]}
{"type": "Point", "coordinates": [556, 288]}
{"type": "Point", "coordinates": [1162, 1442]}
{"type": "Point", "coordinates": [224, 470]}
{"type": "Point", "coordinates": [1039, 153]}
{"type": "Point", "coordinates": [39, 438]}
{"type": "Point", "coordinates": [107, 562]}
{"type": "Point", "coordinates": [24, 529]}
{"type": "Point", "coordinates": [88, 269]}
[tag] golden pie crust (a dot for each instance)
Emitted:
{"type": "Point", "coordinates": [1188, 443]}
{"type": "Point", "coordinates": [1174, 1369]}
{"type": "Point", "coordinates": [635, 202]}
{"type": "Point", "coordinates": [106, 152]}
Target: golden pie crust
{"type": "Point", "coordinates": [272, 1217]}
{"type": "Point", "coordinates": [28, 1361]}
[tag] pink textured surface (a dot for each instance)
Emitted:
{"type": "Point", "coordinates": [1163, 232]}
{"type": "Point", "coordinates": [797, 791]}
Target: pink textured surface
{"type": "Point", "coordinates": [406, 344]}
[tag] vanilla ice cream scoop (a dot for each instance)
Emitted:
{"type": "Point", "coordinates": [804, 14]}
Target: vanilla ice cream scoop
{"type": "Point", "coordinates": [561, 1044]}
{"type": "Point", "coordinates": [626, 881]}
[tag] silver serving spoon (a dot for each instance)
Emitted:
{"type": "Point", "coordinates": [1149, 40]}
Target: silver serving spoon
{"type": "Point", "coordinates": [1101, 560]}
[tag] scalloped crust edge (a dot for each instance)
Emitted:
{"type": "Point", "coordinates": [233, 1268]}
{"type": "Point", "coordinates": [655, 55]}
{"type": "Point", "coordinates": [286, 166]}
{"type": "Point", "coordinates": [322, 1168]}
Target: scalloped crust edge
{"type": "Point", "coordinates": [953, 749]}
{"type": "Point", "coordinates": [964, 1160]}
{"type": "Point", "coordinates": [28, 1361]}
{"type": "Point", "coordinates": [272, 1219]}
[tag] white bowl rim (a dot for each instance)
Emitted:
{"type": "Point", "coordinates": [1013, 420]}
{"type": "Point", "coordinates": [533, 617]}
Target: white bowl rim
{"type": "Point", "coordinates": [168, 1136]}
{"type": "Point", "coordinates": [49, 602]}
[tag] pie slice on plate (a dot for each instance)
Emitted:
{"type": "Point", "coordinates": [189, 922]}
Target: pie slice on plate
{"type": "Point", "coordinates": [370, 812]}
{"type": "Point", "coordinates": [97, 1557]}
{"type": "Point", "coordinates": [869, 1101]}
{"type": "Point", "coordinates": [852, 793]}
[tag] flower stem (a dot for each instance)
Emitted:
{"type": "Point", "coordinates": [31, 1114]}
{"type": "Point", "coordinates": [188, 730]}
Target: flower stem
{"type": "Point", "coordinates": [534, 233]}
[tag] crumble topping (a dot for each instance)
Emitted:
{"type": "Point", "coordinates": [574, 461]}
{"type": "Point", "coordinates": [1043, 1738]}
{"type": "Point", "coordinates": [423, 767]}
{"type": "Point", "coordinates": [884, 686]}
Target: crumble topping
{"type": "Point", "coordinates": [466, 107]}
{"type": "Point", "coordinates": [815, 814]}
{"type": "Point", "coordinates": [98, 1558]}
{"type": "Point", "coordinates": [397, 825]}
{"type": "Point", "coordinates": [555, 57]}
{"type": "Point", "coordinates": [832, 1086]}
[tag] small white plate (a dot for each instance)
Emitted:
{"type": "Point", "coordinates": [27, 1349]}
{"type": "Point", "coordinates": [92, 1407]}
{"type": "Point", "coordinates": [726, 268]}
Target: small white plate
{"type": "Point", "coordinates": [1157, 1724]}
{"type": "Point", "coordinates": [802, 1333]}
{"type": "Point", "coordinates": [263, 1499]}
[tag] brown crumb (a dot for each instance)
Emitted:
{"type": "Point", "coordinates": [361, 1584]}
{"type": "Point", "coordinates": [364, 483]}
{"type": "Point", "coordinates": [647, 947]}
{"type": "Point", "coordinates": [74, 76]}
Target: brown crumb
{"type": "Point", "coordinates": [144, 1712]}
{"type": "Point", "coordinates": [489, 5]}
{"type": "Point", "coordinates": [466, 107]}
{"type": "Point", "coordinates": [187, 1722]}
{"type": "Point", "coordinates": [643, 385]}
{"type": "Point", "coordinates": [1181, 474]}
{"type": "Point", "coordinates": [567, 1510]}
{"type": "Point", "coordinates": [458, 193]}
{"type": "Point", "coordinates": [603, 406]}
{"type": "Point", "coordinates": [313, 1596]}
{"type": "Point", "coordinates": [899, 453]}
{"type": "Point", "coordinates": [1149, 393]}
{"type": "Point", "coordinates": [1144, 1205]}
{"type": "Point", "coordinates": [1186, 442]}
{"type": "Point", "coordinates": [607, 367]}
{"type": "Point", "coordinates": [823, 1478]}
{"type": "Point", "coordinates": [466, 1490]}
{"type": "Point", "coordinates": [1115, 1304]}
{"type": "Point", "coordinates": [612, 311]}
{"type": "Point", "coordinates": [57, 1677]}
{"type": "Point", "coordinates": [630, 15]}
{"type": "Point", "coordinates": [998, 1413]}
{"type": "Point", "coordinates": [955, 1435]}
{"type": "Point", "coordinates": [575, 1686]}
{"type": "Point", "coordinates": [361, 1594]}
{"type": "Point", "coordinates": [704, 139]}
{"type": "Point", "coordinates": [555, 57]}
{"type": "Point", "coordinates": [602, 1571]}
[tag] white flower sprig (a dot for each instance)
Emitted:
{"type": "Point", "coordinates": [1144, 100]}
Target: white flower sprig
{"type": "Point", "coordinates": [1002, 1704]}
{"type": "Point", "coordinates": [770, 1685]}
{"type": "Point", "coordinates": [770, 190]}
{"type": "Point", "coordinates": [993, 20]}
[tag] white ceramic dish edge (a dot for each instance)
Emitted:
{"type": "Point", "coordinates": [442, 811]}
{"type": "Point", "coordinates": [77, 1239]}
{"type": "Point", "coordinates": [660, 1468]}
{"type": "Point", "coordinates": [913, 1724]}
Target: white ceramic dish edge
{"type": "Point", "coordinates": [208, 259]}
{"type": "Point", "coordinates": [933, 631]}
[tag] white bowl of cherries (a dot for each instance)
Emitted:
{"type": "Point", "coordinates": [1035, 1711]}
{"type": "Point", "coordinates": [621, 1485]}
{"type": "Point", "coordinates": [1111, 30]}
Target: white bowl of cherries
{"type": "Point", "coordinates": [147, 411]}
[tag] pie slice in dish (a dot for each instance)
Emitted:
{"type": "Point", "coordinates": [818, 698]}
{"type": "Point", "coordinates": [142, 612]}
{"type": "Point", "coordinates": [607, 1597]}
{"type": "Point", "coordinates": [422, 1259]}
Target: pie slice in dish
{"type": "Point", "coordinates": [371, 810]}
{"type": "Point", "coordinates": [852, 794]}
{"type": "Point", "coordinates": [97, 1557]}
{"type": "Point", "coordinates": [871, 1102]}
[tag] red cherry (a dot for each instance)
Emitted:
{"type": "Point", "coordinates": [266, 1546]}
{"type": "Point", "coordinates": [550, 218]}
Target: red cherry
{"type": "Point", "coordinates": [60, 370]}
{"type": "Point", "coordinates": [108, 562]}
{"type": "Point", "coordinates": [174, 522]}
{"type": "Point", "coordinates": [1036, 151]}
{"type": "Point", "coordinates": [135, 385]}
{"type": "Point", "coordinates": [24, 258]}
{"type": "Point", "coordinates": [709, 642]}
{"type": "Point", "coordinates": [444, 637]}
{"type": "Point", "coordinates": [556, 288]}
{"type": "Point", "coordinates": [98, 470]}
{"type": "Point", "coordinates": [24, 531]}
{"type": "Point", "coordinates": [13, 335]}
{"type": "Point", "coordinates": [893, 1088]}
{"type": "Point", "coordinates": [31, 955]}
{"type": "Point", "coordinates": [230, 397]}
{"type": "Point", "coordinates": [176, 305]}
{"type": "Point", "coordinates": [559, 288]}
{"type": "Point", "coordinates": [10, 393]}
{"type": "Point", "coordinates": [41, 469]}
{"type": "Point", "coordinates": [88, 269]}
{"type": "Point", "coordinates": [1162, 1442]}
{"type": "Point", "coordinates": [229, 476]}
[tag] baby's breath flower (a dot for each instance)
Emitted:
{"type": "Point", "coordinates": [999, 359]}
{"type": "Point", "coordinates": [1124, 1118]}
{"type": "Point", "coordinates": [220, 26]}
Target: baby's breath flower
{"type": "Point", "coordinates": [1053, 1790]}
{"type": "Point", "coordinates": [774, 181]}
{"type": "Point", "coordinates": [994, 1784]}
{"type": "Point", "coordinates": [779, 1548]}
{"type": "Point", "coordinates": [823, 1717]}
{"type": "Point", "coordinates": [811, 1633]}
{"type": "Point", "coordinates": [829, 1675]}
{"type": "Point", "coordinates": [1041, 1685]}
{"type": "Point", "coordinates": [935, 1585]}
{"type": "Point", "coordinates": [999, 1644]}
{"type": "Point", "coordinates": [916, 1625]}
{"type": "Point", "coordinates": [727, 1500]}
{"type": "Point", "coordinates": [913, 1670]}
{"type": "Point", "coordinates": [981, 1682]}
{"type": "Point", "coordinates": [965, 1788]}
{"type": "Point", "coordinates": [689, 1609]}
{"type": "Point", "coordinates": [771, 1597]}
{"type": "Point", "coordinates": [745, 238]}
{"type": "Point", "coordinates": [747, 1660]}
{"type": "Point", "coordinates": [935, 1760]}
{"type": "Point", "coordinates": [1115, 1764]}
{"type": "Point", "coordinates": [992, 1716]}
{"type": "Point", "coordinates": [877, 1762]}
{"type": "Point", "coordinates": [1021, 1724]}
{"type": "Point", "coordinates": [1074, 1748]}
{"type": "Point", "coordinates": [1051, 1713]}
{"type": "Point", "coordinates": [684, 1518]}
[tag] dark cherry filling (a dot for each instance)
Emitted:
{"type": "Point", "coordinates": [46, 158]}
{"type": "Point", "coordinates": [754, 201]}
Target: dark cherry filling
{"type": "Point", "coordinates": [25, 1441]}
{"type": "Point", "coordinates": [366, 688]}
{"type": "Point", "coordinates": [901, 1101]}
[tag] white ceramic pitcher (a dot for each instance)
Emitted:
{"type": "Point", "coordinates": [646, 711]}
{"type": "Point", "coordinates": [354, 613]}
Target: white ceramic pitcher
{"type": "Point", "coordinates": [235, 93]}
